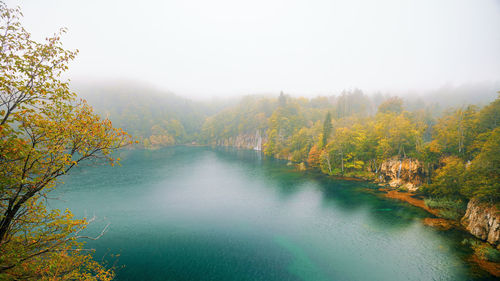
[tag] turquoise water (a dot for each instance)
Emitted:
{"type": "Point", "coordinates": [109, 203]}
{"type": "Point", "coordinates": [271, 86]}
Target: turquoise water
{"type": "Point", "coordinates": [194, 213]}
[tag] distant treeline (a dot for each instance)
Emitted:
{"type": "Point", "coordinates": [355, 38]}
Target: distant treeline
{"type": "Point", "coordinates": [153, 117]}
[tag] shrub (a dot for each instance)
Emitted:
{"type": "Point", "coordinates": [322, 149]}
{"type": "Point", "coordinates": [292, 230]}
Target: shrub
{"type": "Point", "coordinates": [449, 209]}
{"type": "Point", "coordinates": [450, 214]}
{"type": "Point", "coordinates": [483, 250]}
{"type": "Point", "coordinates": [491, 254]}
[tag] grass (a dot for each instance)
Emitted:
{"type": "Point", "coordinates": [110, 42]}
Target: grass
{"type": "Point", "coordinates": [448, 208]}
{"type": "Point", "coordinates": [445, 203]}
{"type": "Point", "coordinates": [450, 214]}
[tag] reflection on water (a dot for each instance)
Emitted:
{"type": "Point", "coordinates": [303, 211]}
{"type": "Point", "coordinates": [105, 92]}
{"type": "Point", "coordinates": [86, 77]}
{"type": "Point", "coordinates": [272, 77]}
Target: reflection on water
{"type": "Point", "coordinates": [193, 213]}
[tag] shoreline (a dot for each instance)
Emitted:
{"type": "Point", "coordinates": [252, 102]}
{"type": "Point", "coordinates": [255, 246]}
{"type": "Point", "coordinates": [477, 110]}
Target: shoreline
{"type": "Point", "coordinates": [441, 224]}
{"type": "Point", "coordinates": [409, 198]}
{"type": "Point", "coordinates": [436, 222]}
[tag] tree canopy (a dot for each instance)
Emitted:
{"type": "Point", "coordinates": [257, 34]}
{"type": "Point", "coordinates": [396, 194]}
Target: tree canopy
{"type": "Point", "coordinates": [45, 131]}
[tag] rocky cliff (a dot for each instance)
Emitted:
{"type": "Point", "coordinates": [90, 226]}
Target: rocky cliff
{"type": "Point", "coordinates": [483, 221]}
{"type": "Point", "coordinates": [245, 141]}
{"type": "Point", "coordinates": [406, 172]}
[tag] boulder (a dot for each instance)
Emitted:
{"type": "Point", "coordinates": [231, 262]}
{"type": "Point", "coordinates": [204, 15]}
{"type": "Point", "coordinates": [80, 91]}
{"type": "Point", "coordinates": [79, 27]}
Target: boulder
{"type": "Point", "coordinates": [483, 221]}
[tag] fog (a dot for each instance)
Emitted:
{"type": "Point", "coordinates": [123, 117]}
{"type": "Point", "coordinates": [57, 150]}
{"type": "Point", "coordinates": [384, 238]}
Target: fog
{"type": "Point", "coordinates": [223, 48]}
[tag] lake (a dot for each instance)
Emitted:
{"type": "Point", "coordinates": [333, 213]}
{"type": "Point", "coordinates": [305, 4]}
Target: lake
{"type": "Point", "coordinates": [196, 213]}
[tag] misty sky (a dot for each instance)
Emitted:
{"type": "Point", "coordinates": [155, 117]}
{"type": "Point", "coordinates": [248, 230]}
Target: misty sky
{"type": "Point", "coordinates": [201, 48]}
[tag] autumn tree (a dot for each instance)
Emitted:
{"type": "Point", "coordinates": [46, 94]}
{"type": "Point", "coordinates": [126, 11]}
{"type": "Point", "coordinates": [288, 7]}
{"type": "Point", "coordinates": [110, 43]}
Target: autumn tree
{"type": "Point", "coordinates": [456, 131]}
{"type": "Point", "coordinates": [282, 99]}
{"type": "Point", "coordinates": [352, 103]}
{"type": "Point", "coordinates": [391, 105]}
{"type": "Point", "coordinates": [489, 117]}
{"type": "Point", "coordinates": [483, 176]}
{"type": "Point", "coordinates": [344, 148]}
{"type": "Point", "coordinates": [448, 180]}
{"type": "Point", "coordinates": [313, 159]}
{"type": "Point", "coordinates": [301, 144]}
{"type": "Point", "coordinates": [397, 134]}
{"type": "Point", "coordinates": [283, 123]}
{"type": "Point", "coordinates": [327, 128]}
{"type": "Point", "coordinates": [44, 133]}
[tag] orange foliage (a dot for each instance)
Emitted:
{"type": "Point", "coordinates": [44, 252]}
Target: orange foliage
{"type": "Point", "coordinates": [314, 157]}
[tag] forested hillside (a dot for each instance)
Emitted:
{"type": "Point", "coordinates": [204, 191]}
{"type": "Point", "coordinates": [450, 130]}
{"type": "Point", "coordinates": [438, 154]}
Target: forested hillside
{"type": "Point", "coordinates": [155, 118]}
{"type": "Point", "coordinates": [352, 134]}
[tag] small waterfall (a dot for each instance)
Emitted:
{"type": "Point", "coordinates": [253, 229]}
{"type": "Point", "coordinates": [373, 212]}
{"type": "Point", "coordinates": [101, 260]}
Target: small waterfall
{"type": "Point", "coordinates": [258, 146]}
{"type": "Point", "coordinates": [399, 170]}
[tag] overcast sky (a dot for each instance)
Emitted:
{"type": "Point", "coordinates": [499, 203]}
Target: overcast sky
{"type": "Point", "coordinates": [201, 48]}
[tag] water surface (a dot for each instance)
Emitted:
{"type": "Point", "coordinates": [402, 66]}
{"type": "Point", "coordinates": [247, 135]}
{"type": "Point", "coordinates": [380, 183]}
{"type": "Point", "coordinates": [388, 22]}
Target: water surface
{"type": "Point", "coordinates": [193, 213]}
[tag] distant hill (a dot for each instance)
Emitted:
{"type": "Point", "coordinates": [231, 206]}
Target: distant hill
{"type": "Point", "coordinates": [145, 111]}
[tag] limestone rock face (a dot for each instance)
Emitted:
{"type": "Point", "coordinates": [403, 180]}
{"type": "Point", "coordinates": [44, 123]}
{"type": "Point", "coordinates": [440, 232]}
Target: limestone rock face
{"type": "Point", "coordinates": [245, 141]}
{"type": "Point", "coordinates": [483, 221]}
{"type": "Point", "coordinates": [406, 172]}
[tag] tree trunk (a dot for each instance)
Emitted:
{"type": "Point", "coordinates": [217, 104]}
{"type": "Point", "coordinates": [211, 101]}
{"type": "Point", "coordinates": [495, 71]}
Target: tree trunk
{"type": "Point", "coordinates": [342, 157]}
